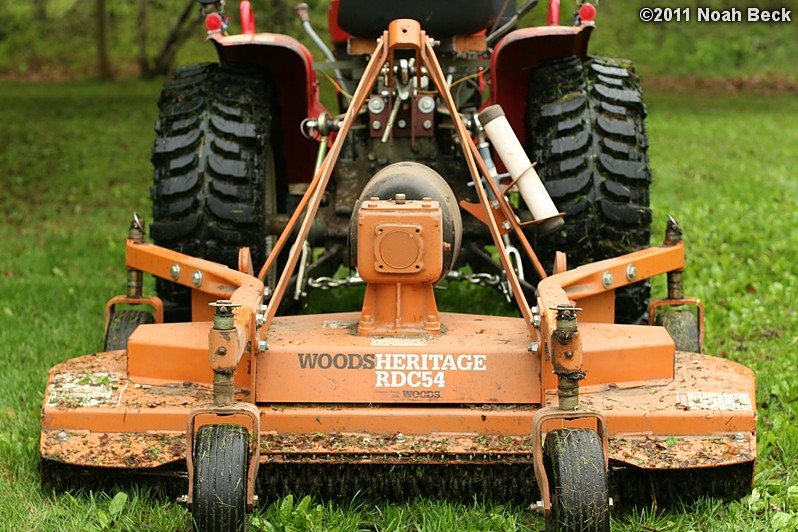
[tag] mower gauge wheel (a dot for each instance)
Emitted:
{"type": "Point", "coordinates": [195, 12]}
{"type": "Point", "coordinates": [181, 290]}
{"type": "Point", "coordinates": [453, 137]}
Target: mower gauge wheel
{"type": "Point", "coordinates": [682, 325]}
{"type": "Point", "coordinates": [121, 326]}
{"type": "Point", "coordinates": [575, 466]}
{"type": "Point", "coordinates": [220, 478]}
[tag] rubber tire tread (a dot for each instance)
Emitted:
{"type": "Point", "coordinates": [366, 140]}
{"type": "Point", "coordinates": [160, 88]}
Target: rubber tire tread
{"type": "Point", "coordinates": [121, 326]}
{"type": "Point", "coordinates": [220, 478]}
{"type": "Point", "coordinates": [574, 462]}
{"type": "Point", "coordinates": [682, 325]}
{"type": "Point", "coordinates": [210, 160]}
{"type": "Point", "coordinates": [587, 133]}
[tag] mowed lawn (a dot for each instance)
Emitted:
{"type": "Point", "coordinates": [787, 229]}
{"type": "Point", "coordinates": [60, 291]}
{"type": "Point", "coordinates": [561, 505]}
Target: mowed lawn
{"type": "Point", "coordinates": [74, 165]}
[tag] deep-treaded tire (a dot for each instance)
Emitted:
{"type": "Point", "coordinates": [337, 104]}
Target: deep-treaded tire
{"type": "Point", "coordinates": [220, 478]}
{"type": "Point", "coordinates": [574, 461]}
{"type": "Point", "coordinates": [586, 131]}
{"type": "Point", "coordinates": [121, 326]}
{"type": "Point", "coordinates": [214, 169]}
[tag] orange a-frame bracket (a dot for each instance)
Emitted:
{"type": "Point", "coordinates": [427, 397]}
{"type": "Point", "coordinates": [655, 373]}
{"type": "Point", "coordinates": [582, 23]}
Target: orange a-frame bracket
{"type": "Point", "coordinates": [402, 34]}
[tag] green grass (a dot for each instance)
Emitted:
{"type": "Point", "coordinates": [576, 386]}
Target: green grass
{"type": "Point", "coordinates": [74, 166]}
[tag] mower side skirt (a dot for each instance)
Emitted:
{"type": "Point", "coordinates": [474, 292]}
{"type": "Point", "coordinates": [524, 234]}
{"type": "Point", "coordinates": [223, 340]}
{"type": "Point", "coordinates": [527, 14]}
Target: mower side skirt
{"type": "Point", "coordinates": [692, 421]}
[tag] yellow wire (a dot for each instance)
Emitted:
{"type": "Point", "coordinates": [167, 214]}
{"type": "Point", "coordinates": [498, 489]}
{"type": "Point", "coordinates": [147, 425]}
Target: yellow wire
{"type": "Point", "coordinates": [337, 86]}
{"type": "Point", "coordinates": [470, 76]}
{"type": "Point", "coordinates": [465, 78]}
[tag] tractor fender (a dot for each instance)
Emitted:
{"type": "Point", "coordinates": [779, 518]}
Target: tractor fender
{"type": "Point", "coordinates": [291, 66]}
{"type": "Point", "coordinates": [517, 53]}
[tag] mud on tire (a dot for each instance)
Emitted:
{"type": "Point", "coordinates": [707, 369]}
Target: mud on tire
{"type": "Point", "coordinates": [220, 479]}
{"type": "Point", "coordinates": [214, 169]}
{"type": "Point", "coordinates": [574, 462]}
{"type": "Point", "coordinates": [587, 133]}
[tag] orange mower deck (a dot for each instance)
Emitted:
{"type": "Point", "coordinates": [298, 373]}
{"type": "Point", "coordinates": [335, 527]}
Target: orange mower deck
{"type": "Point", "coordinates": [400, 382]}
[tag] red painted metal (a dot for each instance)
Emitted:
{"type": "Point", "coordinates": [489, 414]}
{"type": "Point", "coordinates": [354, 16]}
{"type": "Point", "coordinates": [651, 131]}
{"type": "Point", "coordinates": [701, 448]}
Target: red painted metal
{"type": "Point", "coordinates": [553, 18]}
{"type": "Point", "coordinates": [587, 13]}
{"type": "Point", "coordinates": [337, 34]}
{"type": "Point", "coordinates": [214, 22]}
{"type": "Point", "coordinates": [247, 18]}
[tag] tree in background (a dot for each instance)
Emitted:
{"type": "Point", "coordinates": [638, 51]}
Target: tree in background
{"type": "Point", "coordinates": [40, 10]}
{"type": "Point", "coordinates": [184, 27]}
{"type": "Point", "coordinates": [103, 57]}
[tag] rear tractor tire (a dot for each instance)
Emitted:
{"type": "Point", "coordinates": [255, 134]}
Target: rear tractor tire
{"type": "Point", "coordinates": [574, 462]}
{"type": "Point", "coordinates": [220, 478]}
{"type": "Point", "coordinates": [585, 129]}
{"type": "Point", "coordinates": [215, 173]}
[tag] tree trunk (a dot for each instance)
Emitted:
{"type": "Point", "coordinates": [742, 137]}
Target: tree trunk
{"type": "Point", "coordinates": [180, 32]}
{"type": "Point", "coordinates": [40, 10]}
{"type": "Point", "coordinates": [145, 71]}
{"type": "Point", "coordinates": [281, 16]}
{"type": "Point", "coordinates": [106, 71]}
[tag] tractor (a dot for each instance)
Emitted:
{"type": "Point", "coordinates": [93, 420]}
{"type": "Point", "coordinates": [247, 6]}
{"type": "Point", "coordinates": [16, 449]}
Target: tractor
{"type": "Point", "coordinates": [463, 149]}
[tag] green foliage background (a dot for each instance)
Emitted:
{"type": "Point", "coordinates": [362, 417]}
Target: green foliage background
{"type": "Point", "coordinates": [63, 44]}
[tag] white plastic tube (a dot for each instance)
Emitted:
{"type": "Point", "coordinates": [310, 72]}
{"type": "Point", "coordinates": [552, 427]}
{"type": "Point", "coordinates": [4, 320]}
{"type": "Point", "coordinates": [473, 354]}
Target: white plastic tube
{"type": "Point", "coordinates": [514, 157]}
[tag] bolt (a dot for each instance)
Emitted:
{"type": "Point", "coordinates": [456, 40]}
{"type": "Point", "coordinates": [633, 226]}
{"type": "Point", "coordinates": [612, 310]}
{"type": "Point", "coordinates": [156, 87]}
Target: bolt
{"type": "Point", "coordinates": [506, 225]}
{"type": "Point", "coordinates": [182, 500]}
{"type": "Point", "coordinates": [538, 507]}
{"type": "Point", "coordinates": [267, 293]}
{"type": "Point", "coordinates": [256, 501]}
{"type": "Point", "coordinates": [174, 271]}
{"type": "Point", "coordinates": [63, 436]}
{"type": "Point", "coordinates": [400, 199]}
{"type": "Point", "coordinates": [494, 204]}
{"type": "Point", "coordinates": [607, 279]}
{"type": "Point", "coordinates": [376, 105]}
{"type": "Point", "coordinates": [196, 277]}
{"type": "Point", "coordinates": [535, 317]}
{"type": "Point", "coordinates": [534, 347]}
{"type": "Point", "coordinates": [611, 503]}
{"type": "Point", "coordinates": [739, 437]}
{"type": "Point", "coordinates": [263, 345]}
{"type": "Point", "coordinates": [426, 104]}
{"type": "Point", "coordinates": [402, 124]}
{"type": "Point", "coordinates": [631, 272]}
{"type": "Point", "coordinates": [223, 318]}
{"type": "Point", "coordinates": [376, 125]}
{"type": "Point", "coordinates": [400, 438]}
{"type": "Point", "coordinates": [260, 319]}
{"type": "Point", "coordinates": [427, 124]}
{"type": "Point", "coordinates": [222, 351]}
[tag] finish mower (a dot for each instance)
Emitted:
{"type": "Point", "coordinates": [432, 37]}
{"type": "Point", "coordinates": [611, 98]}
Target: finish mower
{"type": "Point", "coordinates": [590, 394]}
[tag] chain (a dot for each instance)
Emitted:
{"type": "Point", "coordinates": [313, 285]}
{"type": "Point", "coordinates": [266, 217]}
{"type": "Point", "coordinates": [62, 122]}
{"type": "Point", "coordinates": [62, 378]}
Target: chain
{"type": "Point", "coordinates": [328, 283]}
{"type": "Point", "coordinates": [481, 279]}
